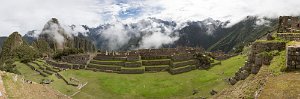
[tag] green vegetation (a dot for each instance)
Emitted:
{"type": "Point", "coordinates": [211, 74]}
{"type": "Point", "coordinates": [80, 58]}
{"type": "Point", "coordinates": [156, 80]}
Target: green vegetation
{"type": "Point", "coordinates": [278, 63]}
{"type": "Point", "coordinates": [32, 75]}
{"type": "Point", "coordinates": [28, 73]}
{"type": "Point", "coordinates": [42, 46]}
{"type": "Point", "coordinates": [241, 34]}
{"type": "Point", "coordinates": [26, 53]}
{"type": "Point", "coordinates": [152, 85]}
{"type": "Point", "coordinates": [269, 55]}
{"type": "Point", "coordinates": [15, 49]}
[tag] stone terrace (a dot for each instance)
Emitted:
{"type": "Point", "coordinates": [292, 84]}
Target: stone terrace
{"type": "Point", "coordinates": [173, 60]}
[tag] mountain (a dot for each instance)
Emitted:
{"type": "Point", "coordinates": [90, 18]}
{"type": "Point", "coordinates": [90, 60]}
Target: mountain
{"type": "Point", "coordinates": [58, 38]}
{"type": "Point", "coordinates": [243, 33]}
{"type": "Point", "coordinates": [210, 34]}
{"type": "Point", "coordinates": [11, 43]}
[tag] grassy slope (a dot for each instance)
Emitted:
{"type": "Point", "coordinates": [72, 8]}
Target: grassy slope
{"type": "Point", "coordinates": [28, 72]}
{"type": "Point", "coordinates": [155, 85]}
{"type": "Point", "coordinates": [58, 84]}
{"type": "Point", "coordinates": [266, 77]}
{"type": "Point", "coordinates": [19, 90]}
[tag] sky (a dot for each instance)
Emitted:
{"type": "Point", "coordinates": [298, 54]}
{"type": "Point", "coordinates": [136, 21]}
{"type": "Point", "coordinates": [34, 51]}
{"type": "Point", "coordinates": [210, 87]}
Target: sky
{"type": "Point", "coordinates": [27, 15]}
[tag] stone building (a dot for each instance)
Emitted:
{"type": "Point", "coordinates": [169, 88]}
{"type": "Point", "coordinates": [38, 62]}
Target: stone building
{"type": "Point", "coordinates": [289, 24]}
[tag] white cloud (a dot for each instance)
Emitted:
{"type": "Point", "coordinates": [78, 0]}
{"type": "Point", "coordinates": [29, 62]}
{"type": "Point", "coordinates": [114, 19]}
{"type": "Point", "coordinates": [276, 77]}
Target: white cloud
{"type": "Point", "coordinates": [26, 15]}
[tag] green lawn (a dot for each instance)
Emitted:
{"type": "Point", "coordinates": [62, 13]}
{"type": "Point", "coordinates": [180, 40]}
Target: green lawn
{"type": "Point", "coordinates": [28, 73]}
{"type": "Point", "coordinates": [154, 85]}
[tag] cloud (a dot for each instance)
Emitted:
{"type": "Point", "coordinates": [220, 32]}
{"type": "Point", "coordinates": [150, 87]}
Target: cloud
{"type": "Point", "coordinates": [151, 33]}
{"type": "Point", "coordinates": [27, 15]}
{"type": "Point", "coordinates": [224, 10]}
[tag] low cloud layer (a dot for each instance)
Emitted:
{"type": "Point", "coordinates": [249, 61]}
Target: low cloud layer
{"type": "Point", "coordinates": [26, 15]}
{"type": "Point", "coordinates": [150, 33]}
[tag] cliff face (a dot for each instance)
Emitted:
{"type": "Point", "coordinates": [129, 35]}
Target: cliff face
{"type": "Point", "coordinates": [58, 38]}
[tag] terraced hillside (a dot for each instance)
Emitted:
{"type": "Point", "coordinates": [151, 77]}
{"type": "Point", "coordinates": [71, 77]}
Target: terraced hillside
{"type": "Point", "coordinates": [154, 85]}
{"type": "Point", "coordinates": [136, 64]}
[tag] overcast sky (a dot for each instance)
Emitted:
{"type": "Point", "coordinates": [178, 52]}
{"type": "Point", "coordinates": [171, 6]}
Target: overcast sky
{"type": "Point", "coordinates": [26, 15]}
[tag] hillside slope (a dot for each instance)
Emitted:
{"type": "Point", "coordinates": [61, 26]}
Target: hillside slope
{"type": "Point", "coordinates": [272, 82]}
{"type": "Point", "coordinates": [18, 88]}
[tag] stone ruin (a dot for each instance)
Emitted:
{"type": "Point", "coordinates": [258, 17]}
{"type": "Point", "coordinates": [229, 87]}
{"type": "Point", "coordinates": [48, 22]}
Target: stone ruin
{"type": "Point", "coordinates": [173, 60]}
{"type": "Point", "coordinates": [71, 62]}
{"type": "Point", "coordinates": [76, 59]}
{"type": "Point", "coordinates": [289, 24]}
{"type": "Point", "coordinates": [293, 57]}
{"type": "Point", "coordinates": [255, 60]}
{"type": "Point", "coordinates": [289, 28]}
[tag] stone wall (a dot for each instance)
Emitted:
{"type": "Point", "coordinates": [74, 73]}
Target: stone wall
{"type": "Point", "coordinates": [60, 65]}
{"type": "Point", "coordinates": [156, 68]}
{"type": "Point", "coordinates": [155, 62]}
{"type": "Point", "coordinates": [288, 24]}
{"type": "Point", "coordinates": [76, 59]}
{"type": "Point", "coordinates": [133, 58]}
{"type": "Point", "coordinates": [255, 60]}
{"type": "Point", "coordinates": [182, 57]}
{"type": "Point", "coordinates": [182, 63]}
{"type": "Point", "coordinates": [105, 68]}
{"type": "Point", "coordinates": [293, 57]}
{"type": "Point", "coordinates": [152, 60]}
{"type": "Point", "coordinates": [289, 36]}
{"type": "Point", "coordinates": [110, 58]}
{"type": "Point", "coordinates": [116, 63]}
{"type": "Point", "coordinates": [154, 57]}
{"type": "Point", "coordinates": [133, 64]}
{"type": "Point", "coordinates": [182, 70]}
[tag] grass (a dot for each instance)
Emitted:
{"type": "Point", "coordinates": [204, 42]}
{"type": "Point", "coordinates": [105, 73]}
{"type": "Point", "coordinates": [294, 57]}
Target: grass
{"type": "Point", "coordinates": [28, 73]}
{"type": "Point", "coordinates": [278, 63]}
{"type": "Point", "coordinates": [62, 87]}
{"type": "Point", "coordinates": [153, 85]}
{"type": "Point", "coordinates": [32, 75]}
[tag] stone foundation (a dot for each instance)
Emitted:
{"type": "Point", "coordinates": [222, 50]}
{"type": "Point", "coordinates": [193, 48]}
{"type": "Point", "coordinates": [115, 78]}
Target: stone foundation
{"type": "Point", "coordinates": [155, 62]}
{"type": "Point", "coordinates": [183, 63]}
{"type": "Point", "coordinates": [293, 57]}
{"type": "Point", "coordinates": [76, 59]}
{"type": "Point", "coordinates": [289, 36]}
{"type": "Point", "coordinates": [156, 68]}
{"type": "Point", "coordinates": [182, 70]}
